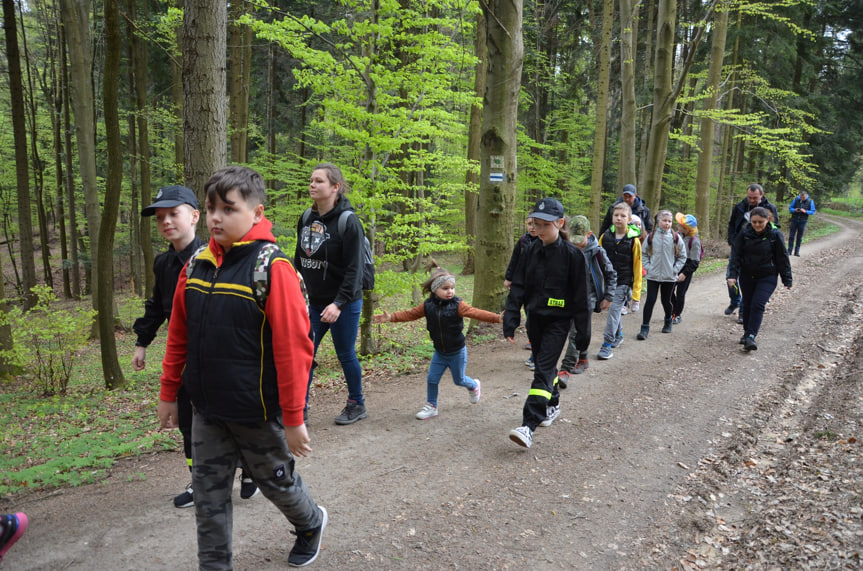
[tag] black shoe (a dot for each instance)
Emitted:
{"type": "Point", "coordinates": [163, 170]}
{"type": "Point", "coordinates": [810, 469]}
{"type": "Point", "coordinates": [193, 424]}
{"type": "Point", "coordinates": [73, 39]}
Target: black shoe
{"type": "Point", "coordinates": [642, 335]}
{"type": "Point", "coordinates": [742, 340]}
{"type": "Point", "coordinates": [730, 309]}
{"type": "Point", "coordinates": [749, 344]}
{"type": "Point", "coordinates": [797, 254]}
{"type": "Point", "coordinates": [248, 488]}
{"type": "Point", "coordinates": [186, 499]}
{"type": "Point", "coordinates": [308, 544]}
{"type": "Point", "coordinates": [740, 320]}
{"type": "Point", "coordinates": [666, 326]}
{"type": "Point", "coordinates": [676, 320]}
{"type": "Point", "coordinates": [352, 412]}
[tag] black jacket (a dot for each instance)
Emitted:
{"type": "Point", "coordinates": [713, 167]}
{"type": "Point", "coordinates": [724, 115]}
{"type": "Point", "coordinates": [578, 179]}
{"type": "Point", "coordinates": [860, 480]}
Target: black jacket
{"type": "Point", "coordinates": [549, 281]}
{"type": "Point", "coordinates": [738, 216]}
{"type": "Point", "coordinates": [444, 324]}
{"type": "Point", "coordinates": [331, 264]}
{"type": "Point", "coordinates": [157, 309]}
{"type": "Point", "coordinates": [640, 209]}
{"type": "Point", "coordinates": [760, 255]}
{"type": "Point", "coordinates": [520, 246]}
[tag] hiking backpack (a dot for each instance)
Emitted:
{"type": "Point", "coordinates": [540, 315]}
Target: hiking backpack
{"type": "Point", "coordinates": [368, 257]}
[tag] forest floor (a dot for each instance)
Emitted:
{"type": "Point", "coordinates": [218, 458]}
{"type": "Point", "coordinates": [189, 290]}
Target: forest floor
{"type": "Point", "coordinates": [681, 451]}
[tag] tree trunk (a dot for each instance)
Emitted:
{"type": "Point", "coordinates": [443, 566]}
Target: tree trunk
{"type": "Point", "coordinates": [599, 136]}
{"type": "Point", "coordinates": [240, 54]}
{"type": "Point", "coordinates": [113, 187]}
{"type": "Point", "coordinates": [705, 159]}
{"type": "Point", "coordinates": [628, 35]}
{"type": "Point", "coordinates": [177, 98]}
{"type": "Point", "coordinates": [473, 147]}
{"type": "Point", "coordinates": [77, 26]}
{"type": "Point", "coordinates": [204, 105]}
{"type": "Point", "coordinates": [22, 172]}
{"type": "Point", "coordinates": [498, 167]}
{"type": "Point", "coordinates": [69, 171]}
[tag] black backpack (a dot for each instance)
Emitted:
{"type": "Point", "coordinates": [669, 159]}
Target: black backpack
{"type": "Point", "coordinates": [368, 258]}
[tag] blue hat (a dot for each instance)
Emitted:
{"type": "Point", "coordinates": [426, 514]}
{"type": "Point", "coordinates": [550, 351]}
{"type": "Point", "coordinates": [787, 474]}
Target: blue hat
{"type": "Point", "coordinates": [171, 196]}
{"type": "Point", "coordinates": [549, 209]}
{"type": "Point", "coordinates": [629, 189]}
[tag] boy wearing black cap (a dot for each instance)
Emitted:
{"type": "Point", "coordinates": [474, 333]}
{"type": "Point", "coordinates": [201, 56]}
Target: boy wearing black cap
{"type": "Point", "coordinates": [176, 212]}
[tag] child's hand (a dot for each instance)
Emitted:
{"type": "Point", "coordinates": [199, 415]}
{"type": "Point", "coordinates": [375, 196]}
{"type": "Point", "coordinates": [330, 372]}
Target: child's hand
{"type": "Point", "coordinates": [297, 438]}
{"type": "Point", "coordinates": [501, 315]}
{"type": "Point", "coordinates": [168, 417]}
{"type": "Point", "coordinates": [381, 318]}
{"type": "Point", "coordinates": [681, 278]}
{"type": "Point", "coordinates": [139, 359]}
{"type": "Point", "coordinates": [604, 304]}
{"type": "Point", "coordinates": [731, 282]}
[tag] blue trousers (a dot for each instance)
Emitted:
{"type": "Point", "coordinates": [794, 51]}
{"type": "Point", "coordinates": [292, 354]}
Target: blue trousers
{"type": "Point", "coordinates": [456, 362]}
{"type": "Point", "coordinates": [756, 293]}
{"type": "Point", "coordinates": [344, 333]}
{"type": "Point", "coordinates": [796, 230]}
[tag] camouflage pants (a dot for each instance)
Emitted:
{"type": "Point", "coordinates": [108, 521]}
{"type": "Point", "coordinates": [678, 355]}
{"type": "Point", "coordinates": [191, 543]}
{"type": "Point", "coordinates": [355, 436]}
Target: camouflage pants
{"type": "Point", "coordinates": [216, 447]}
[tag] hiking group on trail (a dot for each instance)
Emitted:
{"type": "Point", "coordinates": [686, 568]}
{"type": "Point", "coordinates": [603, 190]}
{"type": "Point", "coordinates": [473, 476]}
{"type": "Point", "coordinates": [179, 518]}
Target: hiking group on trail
{"type": "Point", "coordinates": [245, 321]}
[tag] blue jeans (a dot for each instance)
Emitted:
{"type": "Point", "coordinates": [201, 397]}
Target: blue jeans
{"type": "Point", "coordinates": [756, 294]}
{"type": "Point", "coordinates": [797, 228]}
{"type": "Point", "coordinates": [344, 334]}
{"type": "Point", "coordinates": [456, 362]}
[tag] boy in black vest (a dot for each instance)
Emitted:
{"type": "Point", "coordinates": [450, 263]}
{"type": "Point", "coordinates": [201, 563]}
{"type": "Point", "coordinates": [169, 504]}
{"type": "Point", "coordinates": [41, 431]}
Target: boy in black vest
{"type": "Point", "coordinates": [245, 373]}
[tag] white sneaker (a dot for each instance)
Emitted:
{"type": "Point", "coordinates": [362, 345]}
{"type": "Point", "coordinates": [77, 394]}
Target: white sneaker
{"type": "Point", "coordinates": [475, 393]}
{"type": "Point", "coordinates": [428, 411]}
{"type": "Point", "coordinates": [551, 413]}
{"type": "Point", "coordinates": [624, 310]}
{"type": "Point", "coordinates": [635, 306]}
{"type": "Point", "coordinates": [521, 436]}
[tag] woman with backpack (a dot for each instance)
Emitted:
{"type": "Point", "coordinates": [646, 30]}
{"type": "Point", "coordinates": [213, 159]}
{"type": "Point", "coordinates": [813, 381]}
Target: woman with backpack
{"type": "Point", "coordinates": [758, 256]}
{"type": "Point", "coordinates": [329, 256]}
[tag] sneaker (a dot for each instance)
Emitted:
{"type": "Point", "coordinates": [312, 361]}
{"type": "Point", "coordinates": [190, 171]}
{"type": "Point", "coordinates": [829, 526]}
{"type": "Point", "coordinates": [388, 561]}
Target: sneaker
{"type": "Point", "coordinates": [730, 309]}
{"type": "Point", "coordinates": [624, 310]}
{"type": "Point", "coordinates": [618, 341]}
{"type": "Point", "coordinates": [186, 499]}
{"type": "Point", "coordinates": [581, 366]}
{"type": "Point", "coordinates": [248, 487]}
{"type": "Point", "coordinates": [749, 343]}
{"type": "Point", "coordinates": [551, 413]}
{"type": "Point", "coordinates": [527, 346]}
{"type": "Point", "coordinates": [308, 543]}
{"type": "Point", "coordinates": [429, 411]}
{"type": "Point", "coordinates": [529, 362]}
{"type": "Point", "coordinates": [634, 307]}
{"type": "Point", "coordinates": [676, 320]}
{"type": "Point", "coordinates": [562, 379]}
{"type": "Point", "coordinates": [476, 393]}
{"type": "Point", "coordinates": [522, 436]}
{"type": "Point", "coordinates": [352, 412]}
{"type": "Point", "coordinates": [742, 339]}
{"type": "Point", "coordinates": [605, 351]}
{"type": "Point", "coordinates": [739, 320]}
{"type": "Point", "coordinates": [14, 526]}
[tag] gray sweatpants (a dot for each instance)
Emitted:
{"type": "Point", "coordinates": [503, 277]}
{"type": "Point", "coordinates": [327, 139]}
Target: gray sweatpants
{"type": "Point", "coordinates": [216, 447]}
{"type": "Point", "coordinates": [622, 293]}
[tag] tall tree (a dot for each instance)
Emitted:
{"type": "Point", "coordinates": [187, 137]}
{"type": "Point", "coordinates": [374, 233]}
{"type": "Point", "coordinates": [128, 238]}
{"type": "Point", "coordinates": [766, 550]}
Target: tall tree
{"type": "Point", "coordinates": [599, 136]}
{"type": "Point", "coordinates": [240, 65]}
{"type": "Point", "coordinates": [111, 370]}
{"type": "Point", "coordinates": [705, 158]}
{"type": "Point", "coordinates": [498, 168]}
{"type": "Point", "coordinates": [628, 107]}
{"type": "Point", "coordinates": [471, 196]}
{"type": "Point", "coordinates": [77, 29]}
{"type": "Point", "coordinates": [204, 82]}
{"type": "Point", "coordinates": [22, 173]}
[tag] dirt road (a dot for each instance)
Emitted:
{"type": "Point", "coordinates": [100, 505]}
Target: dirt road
{"type": "Point", "coordinates": [628, 477]}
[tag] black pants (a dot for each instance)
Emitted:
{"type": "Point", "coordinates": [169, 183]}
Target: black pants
{"type": "Point", "coordinates": [678, 296]}
{"type": "Point", "coordinates": [664, 290]}
{"type": "Point", "coordinates": [547, 337]}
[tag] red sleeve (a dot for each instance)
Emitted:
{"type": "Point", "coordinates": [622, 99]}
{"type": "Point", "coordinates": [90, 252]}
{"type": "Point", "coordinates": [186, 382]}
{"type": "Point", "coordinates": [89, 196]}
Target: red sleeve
{"type": "Point", "coordinates": [467, 310]}
{"type": "Point", "coordinates": [293, 349]}
{"type": "Point", "coordinates": [175, 350]}
{"type": "Point", "coordinates": [412, 314]}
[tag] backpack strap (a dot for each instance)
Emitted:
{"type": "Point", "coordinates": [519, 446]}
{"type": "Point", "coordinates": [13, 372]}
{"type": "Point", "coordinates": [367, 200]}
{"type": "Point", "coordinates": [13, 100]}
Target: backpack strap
{"type": "Point", "coordinates": [190, 266]}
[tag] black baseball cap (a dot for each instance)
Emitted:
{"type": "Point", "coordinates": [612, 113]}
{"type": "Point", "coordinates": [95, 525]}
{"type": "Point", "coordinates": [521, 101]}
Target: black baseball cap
{"type": "Point", "coordinates": [549, 209]}
{"type": "Point", "coordinates": [171, 196]}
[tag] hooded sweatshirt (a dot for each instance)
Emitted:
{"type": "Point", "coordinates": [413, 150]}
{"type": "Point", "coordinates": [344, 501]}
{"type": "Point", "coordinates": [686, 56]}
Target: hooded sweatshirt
{"type": "Point", "coordinates": [603, 277]}
{"type": "Point", "coordinates": [664, 255]}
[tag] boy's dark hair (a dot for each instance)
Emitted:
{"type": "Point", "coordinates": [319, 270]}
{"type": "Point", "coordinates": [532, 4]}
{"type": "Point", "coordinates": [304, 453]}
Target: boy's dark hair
{"type": "Point", "coordinates": [335, 176]}
{"type": "Point", "coordinates": [248, 182]}
{"type": "Point", "coordinates": [759, 211]}
{"type": "Point", "coordinates": [436, 273]}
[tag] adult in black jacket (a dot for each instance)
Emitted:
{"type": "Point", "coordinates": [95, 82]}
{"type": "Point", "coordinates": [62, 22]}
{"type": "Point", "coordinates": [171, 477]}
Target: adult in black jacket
{"type": "Point", "coordinates": [740, 217]}
{"type": "Point", "coordinates": [638, 207]}
{"type": "Point", "coordinates": [332, 267]}
{"type": "Point", "coordinates": [758, 256]}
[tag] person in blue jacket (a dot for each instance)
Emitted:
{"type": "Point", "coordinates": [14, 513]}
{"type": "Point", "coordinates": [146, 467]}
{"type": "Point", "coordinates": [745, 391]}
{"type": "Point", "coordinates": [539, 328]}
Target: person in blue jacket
{"type": "Point", "coordinates": [801, 208]}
